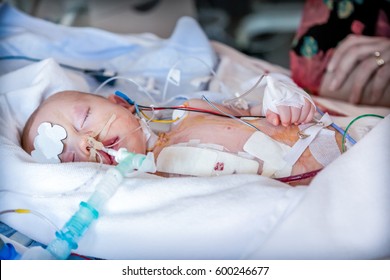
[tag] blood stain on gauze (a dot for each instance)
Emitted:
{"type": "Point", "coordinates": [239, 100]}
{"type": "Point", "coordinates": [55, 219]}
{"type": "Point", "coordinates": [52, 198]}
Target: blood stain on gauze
{"type": "Point", "coordinates": [48, 143]}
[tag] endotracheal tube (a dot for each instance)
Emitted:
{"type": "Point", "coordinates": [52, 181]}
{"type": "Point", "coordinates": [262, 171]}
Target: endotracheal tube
{"type": "Point", "coordinates": [67, 238]}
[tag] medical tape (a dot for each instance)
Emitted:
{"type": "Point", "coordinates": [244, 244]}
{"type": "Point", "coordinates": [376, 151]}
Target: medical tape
{"type": "Point", "coordinates": [271, 152]}
{"type": "Point", "coordinates": [150, 136]}
{"type": "Point", "coordinates": [96, 145]}
{"type": "Point", "coordinates": [197, 161]}
{"type": "Point", "coordinates": [102, 134]}
{"type": "Point", "coordinates": [300, 146]}
{"type": "Point", "coordinates": [179, 115]}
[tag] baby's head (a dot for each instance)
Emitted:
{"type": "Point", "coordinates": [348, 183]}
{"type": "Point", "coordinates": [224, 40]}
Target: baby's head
{"type": "Point", "coordinates": [89, 121]}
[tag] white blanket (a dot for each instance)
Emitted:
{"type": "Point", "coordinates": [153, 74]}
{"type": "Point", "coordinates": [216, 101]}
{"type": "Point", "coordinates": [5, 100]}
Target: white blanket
{"type": "Point", "coordinates": [343, 214]}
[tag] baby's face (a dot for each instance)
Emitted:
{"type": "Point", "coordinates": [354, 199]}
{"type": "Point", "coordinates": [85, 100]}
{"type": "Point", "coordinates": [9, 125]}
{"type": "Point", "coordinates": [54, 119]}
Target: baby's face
{"type": "Point", "coordinates": [110, 121]}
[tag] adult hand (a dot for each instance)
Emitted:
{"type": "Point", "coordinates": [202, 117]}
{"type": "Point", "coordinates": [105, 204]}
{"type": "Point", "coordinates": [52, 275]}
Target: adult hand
{"type": "Point", "coordinates": [359, 71]}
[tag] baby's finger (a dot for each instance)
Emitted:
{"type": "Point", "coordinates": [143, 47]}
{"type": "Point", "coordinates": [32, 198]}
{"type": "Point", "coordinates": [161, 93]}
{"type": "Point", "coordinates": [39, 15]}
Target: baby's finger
{"type": "Point", "coordinates": [272, 118]}
{"type": "Point", "coordinates": [284, 115]}
{"type": "Point", "coordinates": [295, 114]}
{"type": "Point", "coordinates": [305, 111]}
{"type": "Point", "coordinates": [310, 115]}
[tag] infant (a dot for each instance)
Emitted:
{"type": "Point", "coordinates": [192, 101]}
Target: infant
{"type": "Point", "coordinates": [92, 123]}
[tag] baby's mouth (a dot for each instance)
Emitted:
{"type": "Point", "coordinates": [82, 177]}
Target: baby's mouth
{"type": "Point", "coordinates": [97, 149]}
{"type": "Point", "coordinates": [111, 143]}
{"type": "Point", "coordinates": [108, 159]}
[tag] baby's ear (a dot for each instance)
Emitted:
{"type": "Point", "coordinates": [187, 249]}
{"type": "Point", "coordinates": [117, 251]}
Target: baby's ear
{"type": "Point", "coordinates": [120, 101]}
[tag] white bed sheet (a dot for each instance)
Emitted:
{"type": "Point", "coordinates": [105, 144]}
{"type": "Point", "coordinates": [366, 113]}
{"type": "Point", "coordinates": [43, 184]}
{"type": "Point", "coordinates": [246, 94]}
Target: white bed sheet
{"type": "Point", "coordinates": [343, 214]}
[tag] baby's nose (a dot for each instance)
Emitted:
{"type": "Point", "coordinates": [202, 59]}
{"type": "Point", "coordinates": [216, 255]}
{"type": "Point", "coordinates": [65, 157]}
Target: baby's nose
{"type": "Point", "coordinates": [82, 147]}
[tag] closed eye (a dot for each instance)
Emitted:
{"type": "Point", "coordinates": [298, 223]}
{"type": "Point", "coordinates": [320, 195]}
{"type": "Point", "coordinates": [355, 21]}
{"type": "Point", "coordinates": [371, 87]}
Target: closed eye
{"type": "Point", "coordinates": [87, 113]}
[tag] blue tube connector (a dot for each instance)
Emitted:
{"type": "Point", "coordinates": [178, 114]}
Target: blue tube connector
{"type": "Point", "coordinates": [7, 251]}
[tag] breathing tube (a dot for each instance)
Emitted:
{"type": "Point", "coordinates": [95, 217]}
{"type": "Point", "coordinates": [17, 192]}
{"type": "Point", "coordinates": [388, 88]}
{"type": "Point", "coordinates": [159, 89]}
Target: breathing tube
{"type": "Point", "coordinates": [67, 238]}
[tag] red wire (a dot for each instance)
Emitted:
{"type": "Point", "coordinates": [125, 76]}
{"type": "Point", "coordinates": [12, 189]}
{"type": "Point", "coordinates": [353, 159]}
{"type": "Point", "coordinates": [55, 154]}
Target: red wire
{"type": "Point", "coordinates": [191, 109]}
{"type": "Point", "coordinates": [80, 256]}
{"type": "Point", "coordinates": [299, 176]}
{"type": "Point", "coordinates": [181, 107]}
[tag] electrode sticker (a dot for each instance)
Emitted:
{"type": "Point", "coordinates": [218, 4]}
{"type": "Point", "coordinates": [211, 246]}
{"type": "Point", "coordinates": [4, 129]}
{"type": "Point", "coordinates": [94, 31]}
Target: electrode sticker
{"type": "Point", "coordinates": [48, 143]}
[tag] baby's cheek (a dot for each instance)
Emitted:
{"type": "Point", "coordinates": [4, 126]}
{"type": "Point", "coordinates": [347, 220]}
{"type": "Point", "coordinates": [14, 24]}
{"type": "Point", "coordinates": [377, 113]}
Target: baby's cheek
{"type": "Point", "coordinates": [136, 142]}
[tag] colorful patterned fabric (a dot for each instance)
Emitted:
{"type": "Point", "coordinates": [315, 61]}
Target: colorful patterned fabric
{"type": "Point", "coordinates": [324, 24]}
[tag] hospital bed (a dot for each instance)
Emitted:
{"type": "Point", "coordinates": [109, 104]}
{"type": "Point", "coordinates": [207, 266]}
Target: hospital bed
{"type": "Point", "coordinates": [342, 214]}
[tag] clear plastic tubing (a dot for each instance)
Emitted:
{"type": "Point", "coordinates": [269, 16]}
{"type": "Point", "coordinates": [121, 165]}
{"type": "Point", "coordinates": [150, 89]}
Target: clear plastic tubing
{"type": "Point", "coordinates": [67, 238]}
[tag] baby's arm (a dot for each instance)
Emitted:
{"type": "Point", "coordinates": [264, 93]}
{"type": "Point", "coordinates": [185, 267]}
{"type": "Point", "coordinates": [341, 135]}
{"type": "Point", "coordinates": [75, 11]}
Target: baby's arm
{"type": "Point", "coordinates": [288, 115]}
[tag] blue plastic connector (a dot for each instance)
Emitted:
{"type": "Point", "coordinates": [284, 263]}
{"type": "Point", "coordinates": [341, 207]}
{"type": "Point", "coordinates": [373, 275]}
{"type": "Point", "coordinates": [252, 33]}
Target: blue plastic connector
{"type": "Point", "coordinates": [7, 251]}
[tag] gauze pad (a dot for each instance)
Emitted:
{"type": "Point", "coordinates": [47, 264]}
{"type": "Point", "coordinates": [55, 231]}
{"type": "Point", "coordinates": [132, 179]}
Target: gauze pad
{"type": "Point", "coordinates": [324, 148]}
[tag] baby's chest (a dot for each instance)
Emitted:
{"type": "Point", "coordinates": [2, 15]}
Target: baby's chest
{"type": "Point", "coordinates": [231, 135]}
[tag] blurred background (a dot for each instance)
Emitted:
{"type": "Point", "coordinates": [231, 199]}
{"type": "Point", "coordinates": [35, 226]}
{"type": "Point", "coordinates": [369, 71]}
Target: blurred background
{"type": "Point", "coordinates": [260, 28]}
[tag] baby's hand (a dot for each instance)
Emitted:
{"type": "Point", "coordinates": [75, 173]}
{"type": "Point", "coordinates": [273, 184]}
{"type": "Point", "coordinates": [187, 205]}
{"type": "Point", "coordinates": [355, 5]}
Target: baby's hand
{"type": "Point", "coordinates": [285, 103]}
{"type": "Point", "coordinates": [289, 115]}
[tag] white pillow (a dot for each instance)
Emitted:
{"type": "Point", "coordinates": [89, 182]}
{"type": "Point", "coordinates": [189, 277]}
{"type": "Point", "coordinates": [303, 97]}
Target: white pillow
{"type": "Point", "coordinates": [24, 89]}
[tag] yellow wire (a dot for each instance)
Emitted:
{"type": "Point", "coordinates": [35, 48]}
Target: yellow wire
{"type": "Point", "coordinates": [22, 211]}
{"type": "Point", "coordinates": [165, 121]}
{"type": "Point", "coordinates": [159, 121]}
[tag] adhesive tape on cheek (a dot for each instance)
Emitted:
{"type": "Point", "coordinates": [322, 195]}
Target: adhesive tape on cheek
{"type": "Point", "coordinates": [282, 91]}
